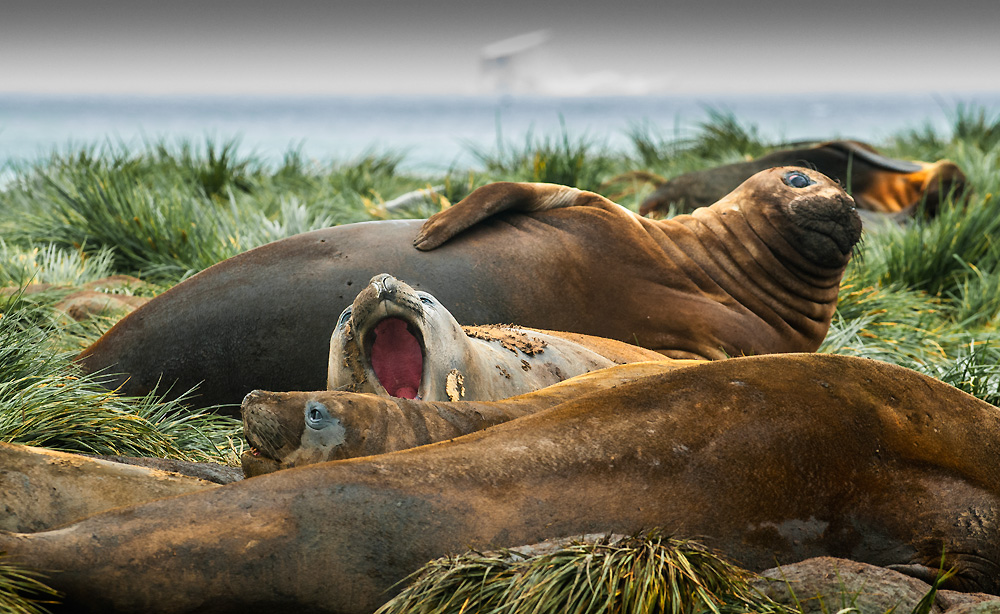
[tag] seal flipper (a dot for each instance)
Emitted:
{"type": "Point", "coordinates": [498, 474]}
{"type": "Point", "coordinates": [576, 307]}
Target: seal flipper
{"type": "Point", "coordinates": [920, 572]}
{"type": "Point", "coordinates": [496, 198]}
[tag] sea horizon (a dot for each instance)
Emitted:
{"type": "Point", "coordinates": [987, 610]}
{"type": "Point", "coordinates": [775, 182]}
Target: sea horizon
{"type": "Point", "coordinates": [434, 133]}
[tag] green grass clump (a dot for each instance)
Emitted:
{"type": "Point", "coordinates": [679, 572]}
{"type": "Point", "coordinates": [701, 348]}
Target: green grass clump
{"type": "Point", "coordinates": [44, 401]}
{"type": "Point", "coordinates": [48, 264]}
{"type": "Point", "coordinates": [578, 162]}
{"type": "Point", "coordinates": [649, 572]}
{"type": "Point", "coordinates": [23, 591]}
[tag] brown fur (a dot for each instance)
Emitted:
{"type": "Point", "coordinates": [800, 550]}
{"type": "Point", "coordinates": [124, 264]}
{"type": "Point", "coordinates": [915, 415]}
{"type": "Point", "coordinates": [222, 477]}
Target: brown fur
{"type": "Point", "coordinates": [274, 424]}
{"type": "Point", "coordinates": [769, 458]}
{"type": "Point", "coordinates": [756, 273]}
{"type": "Point", "coordinates": [878, 184]}
{"type": "Point", "coordinates": [493, 362]}
{"type": "Point", "coordinates": [43, 489]}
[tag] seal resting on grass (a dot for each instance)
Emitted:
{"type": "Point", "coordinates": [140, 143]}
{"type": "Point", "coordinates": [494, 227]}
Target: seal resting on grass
{"type": "Point", "coordinates": [878, 184]}
{"type": "Point", "coordinates": [397, 341]}
{"type": "Point", "coordinates": [290, 429]}
{"type": "Point", "coordinates": [766, 459]}
{"type": "Point", "coordinates": [758, 272]}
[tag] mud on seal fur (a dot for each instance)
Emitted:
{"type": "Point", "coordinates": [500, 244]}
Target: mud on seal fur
{"type": "Point", "coordinates": [758, 272]}
{"type": "Point", "coordinates": [397, 341]}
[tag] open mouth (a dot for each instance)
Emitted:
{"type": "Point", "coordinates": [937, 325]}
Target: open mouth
{"type": "Point", "coordinates": [396, 357]}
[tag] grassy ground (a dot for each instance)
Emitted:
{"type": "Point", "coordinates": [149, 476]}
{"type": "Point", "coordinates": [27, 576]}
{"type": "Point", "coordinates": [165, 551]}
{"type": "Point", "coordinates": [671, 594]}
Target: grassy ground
{"type": "Point", "coordinates": [926, 297]}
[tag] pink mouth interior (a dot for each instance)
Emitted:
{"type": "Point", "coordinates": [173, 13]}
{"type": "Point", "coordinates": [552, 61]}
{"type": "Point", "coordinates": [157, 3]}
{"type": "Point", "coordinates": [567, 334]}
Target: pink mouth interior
{"type": "Point", "coordinates": [397, 359]}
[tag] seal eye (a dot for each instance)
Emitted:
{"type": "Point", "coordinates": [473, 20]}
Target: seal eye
{"type": "Point", "coordinates": [796, 179]}
{"type": "Point", "coordinates": [317, 415]}
{"type": "Point", "coordinates": [426, 299]}
{"type": "Point", "coordinates": [344, 317]}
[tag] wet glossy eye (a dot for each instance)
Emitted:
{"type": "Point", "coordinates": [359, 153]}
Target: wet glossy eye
{"type": "Point", "coordinates": [316, 414]}
{"type": "Point", "coordinates": [344, 317]}
{"type": "Point", "coordinates": [426, 299]}
{"type": "Point", "coordinates": [796, 179]}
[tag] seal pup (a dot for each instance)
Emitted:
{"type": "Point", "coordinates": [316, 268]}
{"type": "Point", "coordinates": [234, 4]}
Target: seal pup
{"type": "Point", "coordinates": [400, 342]}
{"type": "Point", "coordinates": [756, 273]}
{"type": "Point", "coordinates": [884, 186]}
{"type": "Point", "coordinates": [766, 458]}
{"type": "Point", "coordinates": [290, 429]}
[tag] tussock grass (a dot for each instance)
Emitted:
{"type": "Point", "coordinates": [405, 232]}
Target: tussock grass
{"type": "Point", "coordinates": [649, 572]}
{"type": "Point", "coordinates": [44, 401]}
{"type": "Point", "coordinates": [926, 297]}
{"type": "Point", "coordinates": [48, 264]}
{"type": "Point", "coordinates": [578, 162]}
{"type": "Point", "coordinates": [23, 591]}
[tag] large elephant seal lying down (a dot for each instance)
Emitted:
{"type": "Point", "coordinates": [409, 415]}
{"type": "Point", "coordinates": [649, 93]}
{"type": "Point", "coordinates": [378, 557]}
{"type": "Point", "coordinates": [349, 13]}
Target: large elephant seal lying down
{"type": "Point", "coordinates": [290, 429]}
{"type": "Point", "coordinates": [878, 184]}
{"type": "Point", "coordinates": [397, 341]}
{"type": "Point", "coordinates": [756, 273]}
{"type": "Point", "coordinates": [766, 458]}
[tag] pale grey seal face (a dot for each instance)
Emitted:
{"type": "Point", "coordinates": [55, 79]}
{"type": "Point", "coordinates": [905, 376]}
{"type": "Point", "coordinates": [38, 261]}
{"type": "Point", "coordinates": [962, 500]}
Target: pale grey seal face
{"type": "Point", "coordinates": [393, 341]}
{"type": "Point", "coordinates": [322, 434]}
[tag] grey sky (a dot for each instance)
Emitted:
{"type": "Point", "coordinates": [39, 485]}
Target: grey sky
{"type": "Point", "coordinates": [620, 46]}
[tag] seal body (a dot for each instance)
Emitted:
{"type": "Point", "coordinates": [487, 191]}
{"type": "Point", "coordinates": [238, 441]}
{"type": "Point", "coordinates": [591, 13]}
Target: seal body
{"type": "Point", "coordinates": [881, 185]}
{"type": "Point", "coordinates": [290, 429]}
{"type": "Point", "coordinates": [767, 459]}
{"type": "Point", "coordinates": [397, 341]}
{"type": "Point", "coordinates": [756, 273]}
{"type": "Point", "coordinates": [43, 489]}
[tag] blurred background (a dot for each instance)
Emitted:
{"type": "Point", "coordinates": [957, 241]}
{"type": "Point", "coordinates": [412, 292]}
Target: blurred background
{"type": "Point", "coordinates": [429, 79]}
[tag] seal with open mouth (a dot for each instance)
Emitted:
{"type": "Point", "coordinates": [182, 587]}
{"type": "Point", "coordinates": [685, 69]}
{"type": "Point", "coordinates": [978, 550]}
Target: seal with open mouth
{"type": "Point", "coordinates": [400, 342]}
{"type": "Point", "coordinates": [758, 272]}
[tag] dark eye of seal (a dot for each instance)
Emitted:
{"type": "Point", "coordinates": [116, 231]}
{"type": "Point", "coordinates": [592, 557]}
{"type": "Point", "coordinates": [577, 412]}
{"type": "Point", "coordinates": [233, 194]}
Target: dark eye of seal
{"type": "Point", "coordinates": [426, 299]}
{"type": "Point", "coordinates": [796, 179]}
{"type": "Point", "coordinates": [316, 414]}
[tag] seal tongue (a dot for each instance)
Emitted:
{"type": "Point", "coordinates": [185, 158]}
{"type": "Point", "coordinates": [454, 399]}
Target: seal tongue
{"type": "Point", "coordinates": [397, 359]}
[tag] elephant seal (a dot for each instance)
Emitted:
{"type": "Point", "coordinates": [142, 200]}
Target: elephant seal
{"type": "Point", "coordinates": [756, 273]}
{"type": "Point", "coordinates": [400, 342]}
{"type": "Point", "coordinates": [766, 459]}
{"type": "Point", "coordinates": [290, 429]}
{"type": "Point", "coordinates": [895, 188]}
{"type": "Point", "coordinates": [43, 489]}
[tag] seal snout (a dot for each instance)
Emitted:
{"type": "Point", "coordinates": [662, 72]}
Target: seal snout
{"type": "Point", "coordinates": [385, 286]}
{"type": "Point", "coordinates": [826, 216]}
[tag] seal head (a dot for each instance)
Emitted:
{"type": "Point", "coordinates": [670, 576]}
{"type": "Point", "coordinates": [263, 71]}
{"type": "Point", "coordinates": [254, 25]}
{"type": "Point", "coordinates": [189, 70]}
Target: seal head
{"type": "Point", "coordinates": [384, 340]}
{"type": "Point", "coordinates": [813, 213]}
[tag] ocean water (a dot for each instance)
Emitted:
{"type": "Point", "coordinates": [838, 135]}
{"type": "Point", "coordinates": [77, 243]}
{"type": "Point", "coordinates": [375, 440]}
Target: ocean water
{"type": "Point", "coordinates": [437, 133]}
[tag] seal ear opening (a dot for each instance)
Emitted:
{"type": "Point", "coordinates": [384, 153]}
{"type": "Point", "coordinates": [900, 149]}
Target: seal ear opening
{"type": "Point", "coordinates": [397, 358]}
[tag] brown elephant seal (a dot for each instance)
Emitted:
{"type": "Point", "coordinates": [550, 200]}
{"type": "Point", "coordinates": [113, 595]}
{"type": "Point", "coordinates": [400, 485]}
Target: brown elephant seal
{"type": "Point", "coordinates": [290, 429]}
{"type": "Point", "coordinates": [878, 184]}
{"type": "Point", "coordinates": [756, 273]}
{"type": "Point", "coordinates": [766, 459]}
{"type": "Point", "coordinates": [43, 489]}
{"type": "Point", "coordinates": [210, 472]}
{"type": "Point", "coordinates": [400, 342]}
